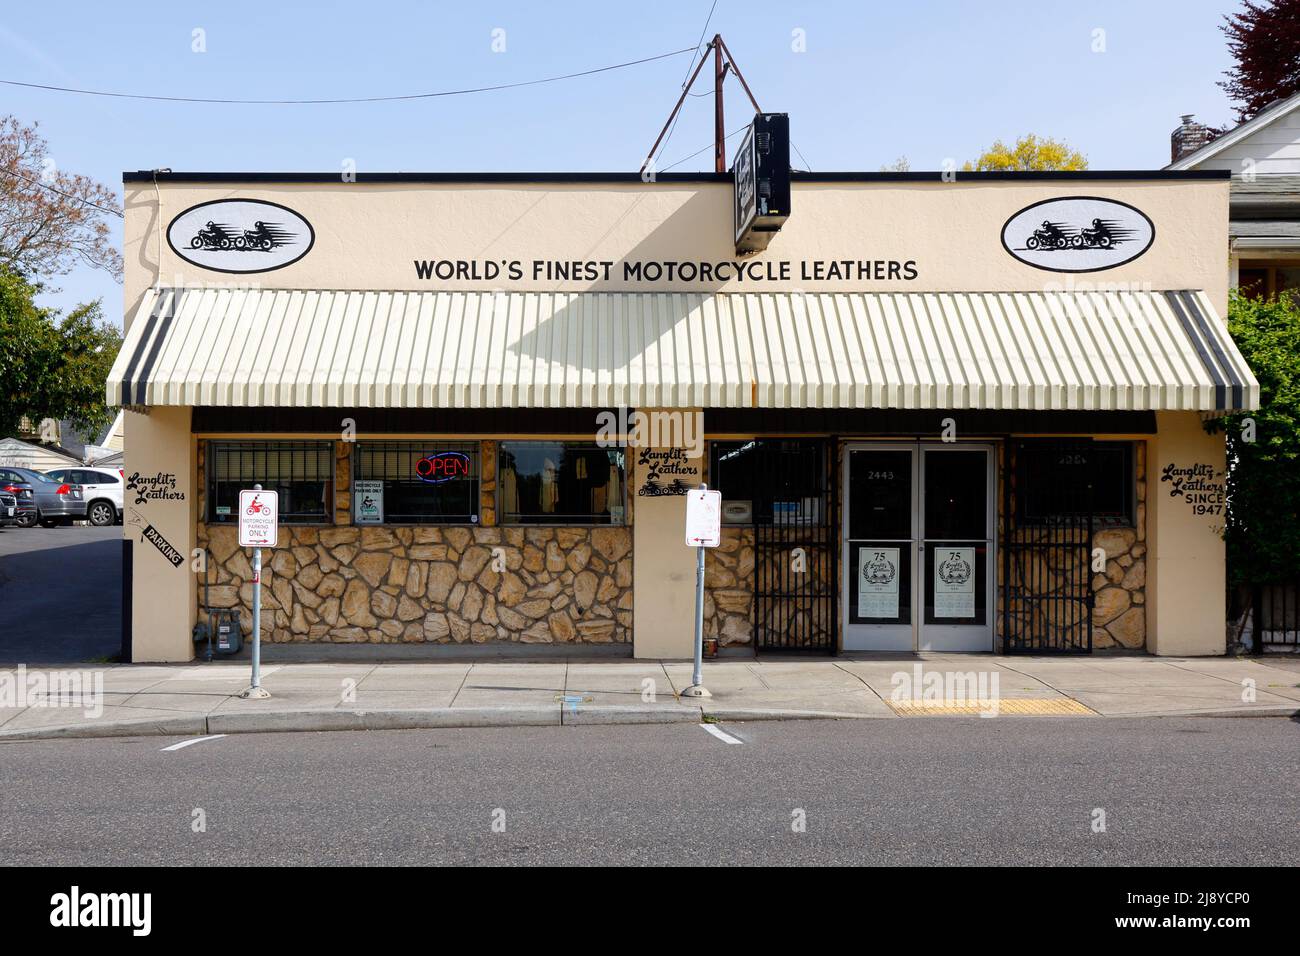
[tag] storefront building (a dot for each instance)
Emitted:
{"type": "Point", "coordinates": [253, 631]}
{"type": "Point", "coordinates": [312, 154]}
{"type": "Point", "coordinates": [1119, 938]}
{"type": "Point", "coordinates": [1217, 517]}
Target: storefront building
{"type": "Point", "coordinates": [944, 415]}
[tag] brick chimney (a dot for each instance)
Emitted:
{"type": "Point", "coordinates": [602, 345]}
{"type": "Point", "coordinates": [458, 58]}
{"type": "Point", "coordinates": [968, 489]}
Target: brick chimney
{"type": "Point", "coordinates": [1188, 138]}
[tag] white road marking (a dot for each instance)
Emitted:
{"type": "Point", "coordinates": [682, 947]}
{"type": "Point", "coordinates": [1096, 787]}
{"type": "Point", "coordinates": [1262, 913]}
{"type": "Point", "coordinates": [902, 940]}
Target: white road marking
{"type": "Point", "coordinates": [193, 740]}
{"type": "Point", "coordinates": [724, 737]}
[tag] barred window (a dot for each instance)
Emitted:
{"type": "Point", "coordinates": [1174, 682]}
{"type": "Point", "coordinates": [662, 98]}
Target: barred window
{"type": "Point", "coordinates": [770, 480]}
{"type": "Point", "coordinates": [300, 472]}
{"type": "Point", "coordinates": [544, 482]}
{"type": "Point", "coordinates": [418, 482]}
{"type": "Point", "coordinates": [1062, 478]}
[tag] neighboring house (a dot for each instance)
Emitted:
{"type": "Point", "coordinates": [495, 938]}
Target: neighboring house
{"type": "Point", "coordinates": [113, 437]}
{"type": "Point", "coordinates": [1263, 155]}
{"type": "Point", "coordinates": [55, 440]}
{"type": "Point", "coordinates": [16, 453]}
{"type": "Point", "coordinates": [107, 449]}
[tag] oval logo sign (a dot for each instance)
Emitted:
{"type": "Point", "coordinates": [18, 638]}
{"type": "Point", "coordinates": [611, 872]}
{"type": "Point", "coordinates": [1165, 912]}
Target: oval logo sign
{"type": "Point", "coordinates": [1078, 234]}
{"type": "Point", "coordinates": [240, 235]}
{"type": "Point", "coordinates": [442, 466]}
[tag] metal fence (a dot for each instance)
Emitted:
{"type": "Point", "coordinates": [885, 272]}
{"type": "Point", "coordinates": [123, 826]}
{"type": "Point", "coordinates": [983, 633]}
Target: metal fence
{"type": "Point", "coordinates": [1047, 529]}
{"type": "Point", "coordinates": [1275, 615]}
{"type": "Point", "coordinates": [795, 576]}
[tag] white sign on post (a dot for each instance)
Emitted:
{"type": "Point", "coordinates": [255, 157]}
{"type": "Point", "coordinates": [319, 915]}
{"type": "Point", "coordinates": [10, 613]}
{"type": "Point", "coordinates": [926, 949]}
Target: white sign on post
{"type": "Point", "coordinates": [368, 502]}
{"type": "Point", "coordinates": [259, 519]}
{"type": "Point", "coordinates": [703, 518]}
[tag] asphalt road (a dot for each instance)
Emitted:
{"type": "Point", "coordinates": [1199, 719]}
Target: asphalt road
{"type": "Point", "coordinates": [60, 594]}
{"type": "Point", "coordinates": [913, 791]}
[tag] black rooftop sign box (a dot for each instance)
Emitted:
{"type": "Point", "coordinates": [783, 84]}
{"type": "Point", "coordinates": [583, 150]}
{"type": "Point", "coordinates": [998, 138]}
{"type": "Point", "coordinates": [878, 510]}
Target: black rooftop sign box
{"type": "Point", "coordinates": [761, 174]}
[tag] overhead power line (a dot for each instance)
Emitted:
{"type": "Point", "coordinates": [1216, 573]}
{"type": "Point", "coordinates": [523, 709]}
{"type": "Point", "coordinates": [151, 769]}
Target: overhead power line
{"type": "Point", "coordinates": [700, 41]}
{"type": "Point", "coordinates": [60, 192]}
{"type": "Point", "coordinates": [689, 67]}
{"type": "Point", "coordinates": [358, 99]}
{"type": "Point", "coordinates": [710, 146]}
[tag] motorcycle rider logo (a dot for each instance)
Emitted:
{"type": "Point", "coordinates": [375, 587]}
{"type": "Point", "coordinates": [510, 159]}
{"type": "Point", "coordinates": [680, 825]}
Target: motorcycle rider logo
{"type": "Point", "coordinates": [223, 237]}
{"type": "Point", "coordinates": [1051, 236]}
{"type": "Point", "coordinates": [255, 506]}
{"type": "Point", "coordinates": [1078, 234]}
{"type": "Point", "coordinates": [1102, 234]}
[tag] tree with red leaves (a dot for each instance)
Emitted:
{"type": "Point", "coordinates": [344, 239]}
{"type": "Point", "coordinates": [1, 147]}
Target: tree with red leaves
{"type": "Point", "coordinates": [1264, 39]}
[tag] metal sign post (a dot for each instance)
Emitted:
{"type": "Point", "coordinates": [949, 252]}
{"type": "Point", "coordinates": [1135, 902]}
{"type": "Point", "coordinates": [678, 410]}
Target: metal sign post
{"type": "Point", "coordinates": [259, 526]}
{"type": "Point", "coordinates": [703, 530]}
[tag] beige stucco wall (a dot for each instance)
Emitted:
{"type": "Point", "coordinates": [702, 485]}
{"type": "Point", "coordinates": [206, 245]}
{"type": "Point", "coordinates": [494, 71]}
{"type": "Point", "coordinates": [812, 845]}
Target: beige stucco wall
{"type": "Point", "coordinates": [368, 234]}
{"type": "Point", "coordinates": [663, 621]}
{"type": "Point", "coordinates": [1185, 564]}
{"type": "Point", "coordinates": [163, 602]}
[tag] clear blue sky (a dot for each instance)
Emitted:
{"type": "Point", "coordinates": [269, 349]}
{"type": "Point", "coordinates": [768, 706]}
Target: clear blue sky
{"type": "Point", "coordinates": [879, 80]}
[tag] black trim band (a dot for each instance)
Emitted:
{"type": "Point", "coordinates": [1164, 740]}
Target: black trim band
{"type": "Point", "coordinates": [1225, 365]}
{"type": "Point", "coordinates": [476, 422]}
{"type": "Point", "coordinates": [1195, 336]}
{"type": "Point", "coordinates": [142, 383]}
{"type": "Point", "coordinates": [218, 419]}
{"type": "Point", "coordinates": [124, 398]}
{"type": "Point", "coordinates": [1088, 175]}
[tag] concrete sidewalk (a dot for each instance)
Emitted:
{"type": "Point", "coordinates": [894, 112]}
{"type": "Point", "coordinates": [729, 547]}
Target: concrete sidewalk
{"type": "Point", "coordinates": [138, 699]}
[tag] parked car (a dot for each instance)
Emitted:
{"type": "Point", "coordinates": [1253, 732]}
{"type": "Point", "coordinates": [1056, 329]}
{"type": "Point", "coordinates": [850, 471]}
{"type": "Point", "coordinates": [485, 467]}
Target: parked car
{"type": "Point", "coordinates": [101, 488]}
{"type": "Point", "coordinates": [8, 509]}
{"type": "Point", "coordinates": [26, 497]}
{"type": "Point", "coordinates": [57, 502]}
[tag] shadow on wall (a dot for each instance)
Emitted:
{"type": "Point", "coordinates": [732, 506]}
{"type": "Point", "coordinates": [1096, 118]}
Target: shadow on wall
{"type": "Point", "coordinates": [598, 333]}
{"type": "Point", "coordinates": [152, 237]}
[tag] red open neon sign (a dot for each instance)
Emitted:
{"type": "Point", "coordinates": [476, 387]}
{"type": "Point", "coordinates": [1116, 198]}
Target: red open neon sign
{"type": "Point", "coordinates": [442, 466]}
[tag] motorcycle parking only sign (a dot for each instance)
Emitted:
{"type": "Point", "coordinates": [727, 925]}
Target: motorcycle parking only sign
{"type": "Point", "coordinates": [259, 519]}
{"type": "Point", "coordinates": [703, 518]}
{"type": "Point", "coordinates": [368, 502]}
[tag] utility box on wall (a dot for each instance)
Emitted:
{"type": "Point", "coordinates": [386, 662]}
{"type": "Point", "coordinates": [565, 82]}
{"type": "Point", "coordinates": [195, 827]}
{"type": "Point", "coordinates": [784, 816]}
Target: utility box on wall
{"type": "Point", "coordinates": [761, 175]}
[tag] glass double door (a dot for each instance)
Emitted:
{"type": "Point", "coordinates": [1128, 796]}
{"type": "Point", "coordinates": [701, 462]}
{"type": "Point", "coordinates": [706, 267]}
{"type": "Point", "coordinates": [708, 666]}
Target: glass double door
{"type": "Point", "coordinates": [918, 547]}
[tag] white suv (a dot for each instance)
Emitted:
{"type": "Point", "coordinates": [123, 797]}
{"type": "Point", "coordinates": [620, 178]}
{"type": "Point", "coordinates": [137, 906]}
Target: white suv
{"type": "Point", "coordinates": [101, 488]}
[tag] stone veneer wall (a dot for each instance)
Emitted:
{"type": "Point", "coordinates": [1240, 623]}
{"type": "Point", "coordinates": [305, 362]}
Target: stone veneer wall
{"type": "Point", "coordinates": [1119, 618]}
{"type": "Point", "coordinates": [1119, 607]}
{"type": "Point", "coordinates": [729, 588]}
{"type": "Point", "coordinates": [428, 584]}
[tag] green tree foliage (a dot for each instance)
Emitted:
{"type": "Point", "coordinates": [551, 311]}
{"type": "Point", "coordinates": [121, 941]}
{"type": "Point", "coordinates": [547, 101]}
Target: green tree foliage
{"type": "Point", "coordinates": [52, 365]}
{"type": "Point", "coordinates": [1029, 153]}
{"type": "Point", "coordinates": [1263, 523]}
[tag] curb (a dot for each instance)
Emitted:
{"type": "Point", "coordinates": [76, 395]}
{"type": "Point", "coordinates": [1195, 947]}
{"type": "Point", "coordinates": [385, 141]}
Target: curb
{"type": "Point", "coordinates": [270, 722]}
{"type": "Point", "coordinates": [1289, 711]}
{"type": "Point", "coordinates": [314, 721]}
{"type": "Point", "coordinates": [141, 727]}
{"type": "Point", "coordinates": [768, 713]}
{"type": "Point", "coordinates": [622, 714]}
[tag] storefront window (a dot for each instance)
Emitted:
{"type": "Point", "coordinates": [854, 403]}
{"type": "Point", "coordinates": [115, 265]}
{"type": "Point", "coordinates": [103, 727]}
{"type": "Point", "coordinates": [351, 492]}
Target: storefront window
{"type": "Point", "coordinates": [1067, 478]}
{"type": "Point", "coordinates": [300, 472]}
{"type": "Point", "coordinates": [560, 483]}
{"type": "Point", "coordinates": [770, 480]}
{"type": "Point", "coordinates": [417, 482]}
